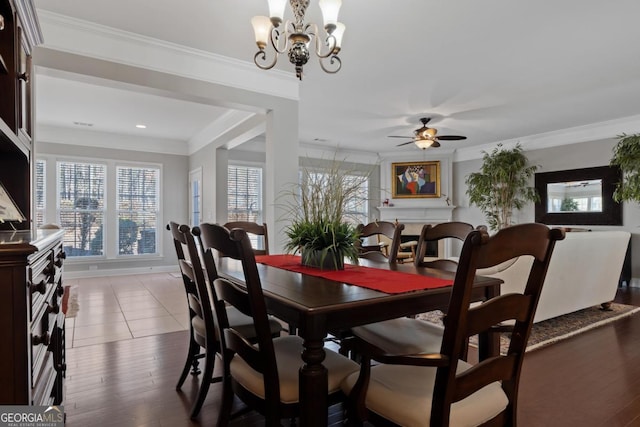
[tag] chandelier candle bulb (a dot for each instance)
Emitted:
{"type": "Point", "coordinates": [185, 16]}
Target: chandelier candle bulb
{"type": "Point", "coordinates": [261, 28]}
{"type": "Point", "coordinates": [330, 9]}
{"type": "Point", "coordinates": [276, 11]}
{"type": "Point", "coordinates": [338, 33]}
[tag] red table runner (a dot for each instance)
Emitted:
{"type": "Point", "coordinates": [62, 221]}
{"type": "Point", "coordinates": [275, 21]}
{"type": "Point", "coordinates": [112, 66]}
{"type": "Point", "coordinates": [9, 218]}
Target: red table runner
{"type": "Point", "coordinates": [388, 281]}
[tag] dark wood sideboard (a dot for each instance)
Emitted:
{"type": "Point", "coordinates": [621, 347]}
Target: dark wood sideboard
{"type": "Point", "coordinates": [32, 357]}
{"type": "Point", "coordinates": [32, 339]}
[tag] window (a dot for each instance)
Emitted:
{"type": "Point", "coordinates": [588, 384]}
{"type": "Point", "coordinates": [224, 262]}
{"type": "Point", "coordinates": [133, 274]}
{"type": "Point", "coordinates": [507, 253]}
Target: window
{"type": "Point", "coordinates": [356, 207]}
{"type": "Point", "coordinates": [41, 191]}
{"type": "Point", "coordinates": [244, 199]}
{"type": "Point", "coordinates": [123, 221]}
{"type": "Point", "coordinates": [81, 204]}
{"type": "Point", "coordinates": [195, 201]}
{"type": "Point", "coordinates": [137, 207]}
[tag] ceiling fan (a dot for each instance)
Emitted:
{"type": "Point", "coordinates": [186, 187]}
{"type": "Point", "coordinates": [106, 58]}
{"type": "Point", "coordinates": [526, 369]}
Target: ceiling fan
{"type": "Point", "coordinates": [425, 137]}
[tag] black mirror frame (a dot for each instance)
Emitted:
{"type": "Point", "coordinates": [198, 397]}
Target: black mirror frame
{"type": "Point", "coordinates": [611, 210]}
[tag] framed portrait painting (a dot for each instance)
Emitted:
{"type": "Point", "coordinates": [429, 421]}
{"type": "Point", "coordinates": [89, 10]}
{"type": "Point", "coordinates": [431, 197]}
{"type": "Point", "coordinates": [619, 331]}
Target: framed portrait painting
{"type": "Point", "coordinates": [415, 179]}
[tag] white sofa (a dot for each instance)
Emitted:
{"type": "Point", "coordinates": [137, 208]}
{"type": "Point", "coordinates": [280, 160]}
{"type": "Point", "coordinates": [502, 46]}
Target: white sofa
{"type": "Point", "coordinates": [584, 271]}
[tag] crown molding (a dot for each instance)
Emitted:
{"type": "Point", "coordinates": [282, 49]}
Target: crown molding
{"type": "Point", "coordinates": [32, 33]}
{"type": "Point", "coordinates": [89, 39]}
{"type": "Point", "coordinates": [592, 132]}
{"type": "Point", "coordinates": [327, 152]}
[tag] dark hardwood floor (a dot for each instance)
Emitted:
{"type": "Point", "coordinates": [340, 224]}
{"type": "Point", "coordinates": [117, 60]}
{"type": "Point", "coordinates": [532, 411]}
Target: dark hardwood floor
{"type": "Point", "coordinates": [592, 379]}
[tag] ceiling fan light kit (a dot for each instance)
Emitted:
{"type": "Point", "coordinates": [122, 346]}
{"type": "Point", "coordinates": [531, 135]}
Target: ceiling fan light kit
{"type": "Point", "coordinates": [423, 143]}
{"type": "Point", "coordinates": [294, 38]}
{"type": "Point", "coordinates": [425, 137]}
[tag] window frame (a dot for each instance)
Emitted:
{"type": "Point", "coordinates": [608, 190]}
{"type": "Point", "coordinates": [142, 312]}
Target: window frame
{"type": "Point", "coordinates": [158, 228]}
{"type": "Point", "coordinates": [79, 160]}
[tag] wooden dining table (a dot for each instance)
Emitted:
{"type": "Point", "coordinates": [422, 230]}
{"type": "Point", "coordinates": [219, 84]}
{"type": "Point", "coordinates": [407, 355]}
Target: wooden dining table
{"type": "Point", "coordinates": [318, 306]}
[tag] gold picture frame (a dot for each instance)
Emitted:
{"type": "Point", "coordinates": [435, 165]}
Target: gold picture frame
{"type": "Point", "coordinates": [415, 180]}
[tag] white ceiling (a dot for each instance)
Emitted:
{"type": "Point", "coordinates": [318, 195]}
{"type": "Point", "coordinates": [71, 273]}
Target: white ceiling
{"type": "Point", "coordinates": [65, 102]}
{"type": "Point", "coordinates": [493, 70]}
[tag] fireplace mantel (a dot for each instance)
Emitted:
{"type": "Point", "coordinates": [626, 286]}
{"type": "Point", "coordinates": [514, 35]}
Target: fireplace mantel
{"type": "Point", "coordinates": [424, 215]}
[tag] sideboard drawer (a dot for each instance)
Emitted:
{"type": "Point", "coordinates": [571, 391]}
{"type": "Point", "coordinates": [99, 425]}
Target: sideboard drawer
{"type": "Point", "coordinates": [44, 383]}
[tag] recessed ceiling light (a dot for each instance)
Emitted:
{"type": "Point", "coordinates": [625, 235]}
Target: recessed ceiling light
{"type": "Point", "coordinates": [83, 124]}
{"type": "Point", "coordinates": [141, 126]}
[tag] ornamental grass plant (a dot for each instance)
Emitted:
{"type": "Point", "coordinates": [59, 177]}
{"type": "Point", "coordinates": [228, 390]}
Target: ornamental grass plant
{"type": "Point", "coordinates": [320, 228]}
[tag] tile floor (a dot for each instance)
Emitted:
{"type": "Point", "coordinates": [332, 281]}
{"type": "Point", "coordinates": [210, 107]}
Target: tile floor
{"type": "Point", "coordinates": [126, 307]}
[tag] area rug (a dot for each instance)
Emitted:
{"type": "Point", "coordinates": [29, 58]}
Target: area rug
{"type": "Point", "coordinates": [70, 301]}
{"type": "Point", "coordinates": [559, 328]}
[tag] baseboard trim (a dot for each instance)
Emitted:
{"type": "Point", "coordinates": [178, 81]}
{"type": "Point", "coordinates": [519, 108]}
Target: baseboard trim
{"type": "Point", "coordinates": [119, 272]}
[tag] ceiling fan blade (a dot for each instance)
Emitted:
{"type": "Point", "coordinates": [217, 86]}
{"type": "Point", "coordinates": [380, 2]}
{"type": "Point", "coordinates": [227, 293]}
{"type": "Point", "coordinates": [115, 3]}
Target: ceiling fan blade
{"type": "Point", "coordinates": [404, 143]}
{"type": "Point", "coordinates": [451, 137]}
{"type": "Point", "coordinates": [435, 144]}
{"type": "Point", "coordinates": [398, 136]}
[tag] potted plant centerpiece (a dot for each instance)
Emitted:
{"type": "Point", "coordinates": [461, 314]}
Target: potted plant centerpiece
{"type": "Point", "coordinates": [501, 186]}
{"type": "Point", "coordinates": [626, 155]}
{"type": "Point", "coordinates": [319, 228]}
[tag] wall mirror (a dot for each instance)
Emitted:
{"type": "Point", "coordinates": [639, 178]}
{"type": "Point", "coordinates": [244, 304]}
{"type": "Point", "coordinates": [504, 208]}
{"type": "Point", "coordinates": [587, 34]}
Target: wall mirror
{"type": "Point", "coordinates": [578, 197]}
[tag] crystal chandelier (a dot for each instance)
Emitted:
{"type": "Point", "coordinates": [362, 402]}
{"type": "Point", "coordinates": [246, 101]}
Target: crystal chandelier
{"type": "Point", "coordinates": [295, 37]}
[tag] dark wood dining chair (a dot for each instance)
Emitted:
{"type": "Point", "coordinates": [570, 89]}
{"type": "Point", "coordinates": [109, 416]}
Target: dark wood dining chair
{"type": "Point", "coordinates": [255, 229]}
{"type": "Point", "coordinates": [263, 376]}
{"type": "Point", "coordinates": [436, 233]}
{"type": "Point", "coordinates": [390, 230]}
{"type": "Point", "coordinates": [202, 332]}
{"type": "Point", "coordinates": [440, 389]}
{"type": "Point", "coordinates": [408, 335]}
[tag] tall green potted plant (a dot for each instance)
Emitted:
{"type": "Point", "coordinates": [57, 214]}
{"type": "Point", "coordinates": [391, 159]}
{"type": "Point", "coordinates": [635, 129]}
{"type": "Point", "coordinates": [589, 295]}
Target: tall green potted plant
{"type": "Point", "coordinates": [626, 155]}
{"type": "Point", "coordinates": [319, 229]}
{"type": "Point", "coordinates": [501, 186]}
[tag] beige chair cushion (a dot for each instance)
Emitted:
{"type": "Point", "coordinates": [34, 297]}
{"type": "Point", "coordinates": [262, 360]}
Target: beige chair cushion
{"type": "Point", "coordinates": [288, 350]}
{"type": "Point", "coordinates": [402, 336]}
{"type": "Point", "coordinates": [238, 321]}
{"type": "Point", "coordinates": [403, 395]}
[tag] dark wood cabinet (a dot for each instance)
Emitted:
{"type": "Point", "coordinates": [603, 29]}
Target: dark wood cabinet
{"type": "Point", "coordinates": [19, 34]}
{"type": "Point", "coordinates": [32, 359]}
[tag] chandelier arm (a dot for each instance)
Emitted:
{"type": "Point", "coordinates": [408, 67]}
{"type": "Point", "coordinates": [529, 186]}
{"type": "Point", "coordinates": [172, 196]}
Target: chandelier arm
{"type": "Point", "coordinates": [276, 35]}
{"type": "Point", "coordinates": [332, 60]}
{"type": "Point", "coordinates": [261, 56]}
{"type": "Point", "coordinates": [312, 30]}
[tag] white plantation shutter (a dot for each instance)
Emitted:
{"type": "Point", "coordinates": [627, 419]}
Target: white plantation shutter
{"type": "Point", "coordinates": [81, 205]}
{"type": "Point", "coordinates": [41, 191]}
{"type": "Point", "coordinates": [244, 195]}
{"type": "Point", "coordinates": [138, 194]}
